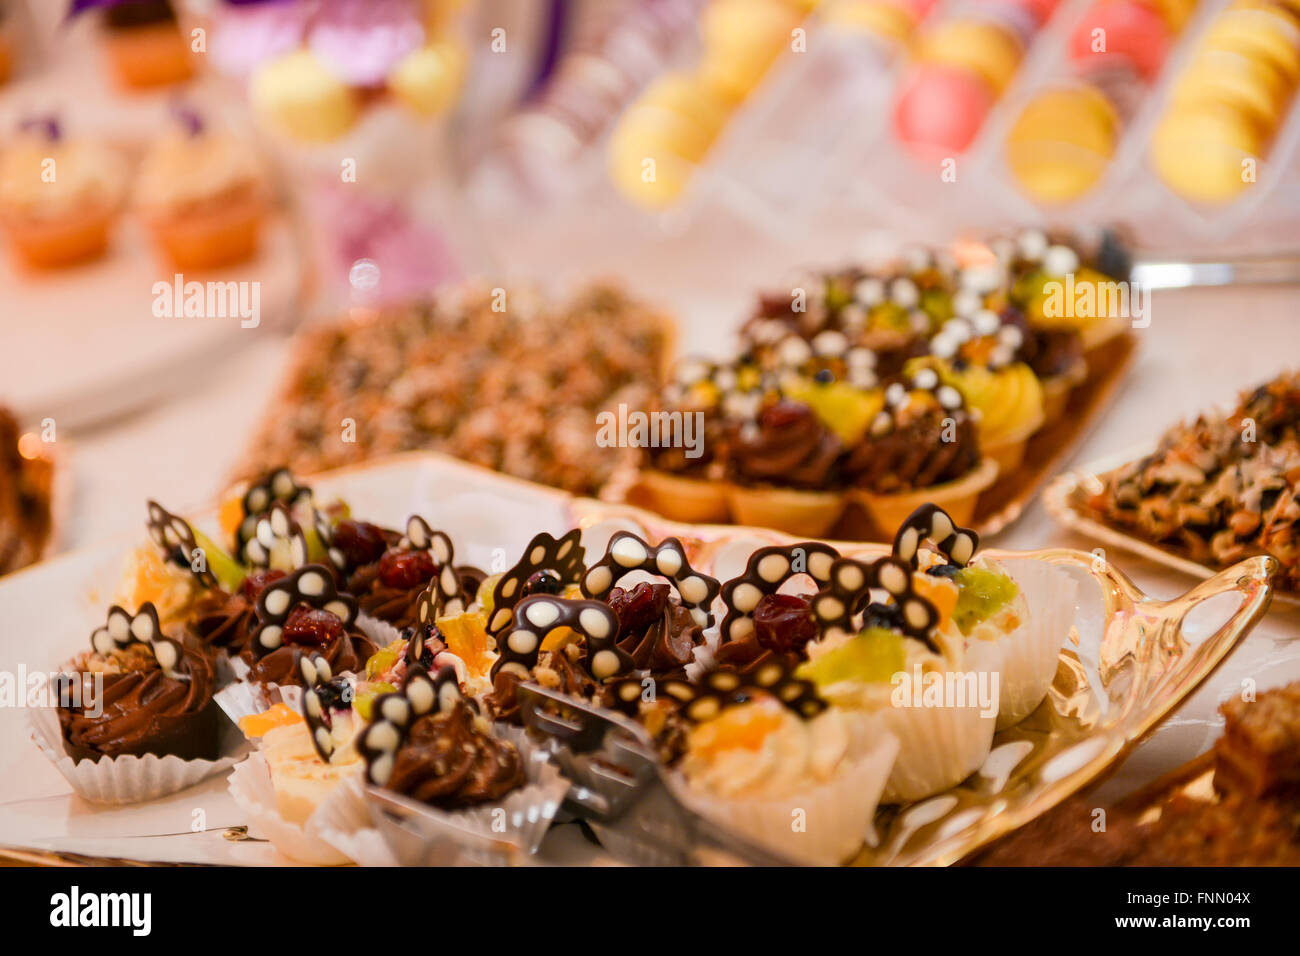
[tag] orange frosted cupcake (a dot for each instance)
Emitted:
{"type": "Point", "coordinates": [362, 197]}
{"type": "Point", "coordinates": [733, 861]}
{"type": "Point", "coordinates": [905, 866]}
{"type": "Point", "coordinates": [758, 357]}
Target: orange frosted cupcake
{"type": "Point", "coordinates": [203, 195]}
{"type": "Point", "coordinates": [58, 199]}
{"type": "Point", "coordinates": [145, 45]}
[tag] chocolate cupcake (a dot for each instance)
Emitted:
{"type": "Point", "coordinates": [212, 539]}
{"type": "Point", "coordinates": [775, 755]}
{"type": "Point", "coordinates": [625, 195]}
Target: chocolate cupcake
{"type": "Point", "coordinates": [389, 587]}
{"type": "Point", "coordinates": [303, 612]}
{"type": "Point", "coordinates": [429, 743]}
{"type": "Point", "coordinates": [155, 697]}
{"type": "Point", "coordinates": [659, 623]}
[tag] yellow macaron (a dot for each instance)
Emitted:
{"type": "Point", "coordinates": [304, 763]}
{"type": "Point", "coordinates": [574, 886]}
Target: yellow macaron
{"type": "Point", "coordinates": [1061, 143]}
{"type": "Point", "coordinates": [1246, 83]}
{"type": "Point", "coordinates": [986, 48]}
{"type": "Point", "coordinates": [1205, 152]}
{"type": "Point", "coordinates": [299, 96]}
{"type": "Point", "coordinates": [1260, 33]}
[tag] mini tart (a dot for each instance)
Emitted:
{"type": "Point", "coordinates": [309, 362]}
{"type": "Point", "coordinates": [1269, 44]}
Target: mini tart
{"type": "Point", "coordinates": [806, 513]}
{"type": "Point", "coordinates": [683, 498]}
{"type": "Point", "coordinates": [65, 221]}
{"type": "Point", "coordinates": [1057, 389]}
{"type": "Point", "coordinates": [204, 199]}
{"type": "Point", "coordinates": [959, 498]}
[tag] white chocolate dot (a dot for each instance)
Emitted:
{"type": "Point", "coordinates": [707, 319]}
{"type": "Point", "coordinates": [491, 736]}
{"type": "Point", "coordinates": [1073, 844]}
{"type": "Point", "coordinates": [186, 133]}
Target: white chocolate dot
{"type": "Point", "coordinates": [773, 567]}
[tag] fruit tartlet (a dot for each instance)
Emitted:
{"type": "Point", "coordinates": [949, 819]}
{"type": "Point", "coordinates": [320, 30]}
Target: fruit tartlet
{"type": "Point", "coordinates": [1005, 393]}
{"type": "Point", "coordinates": [1012, 617]}
{"type": "Point", "coordinates": [687, 484]}
{"type": "Point", "coordinates": [305, 756]}
{"type": "Point", "coordinates": [145, 45]}
{"type": "Point", "coordinates": [202, 194]}
{"type": "Point", "coordinates": [58, 197]}
{"type": "Point", "coordinates": [785, 470]}
{"type": "Point", "coordinates": [545, 631]}
{"type": "Point", "coordinates": [897, 664]}
{"type": "Point", "coordinates": [766, 758]}
{"type": "Point", "coordinates": [922, 445]}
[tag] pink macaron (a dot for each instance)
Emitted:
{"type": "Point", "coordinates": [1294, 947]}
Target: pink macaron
{"type": "Point", "coordinates": [940, 109]}
{"type": "Point", "coordinates": [1133, 33]}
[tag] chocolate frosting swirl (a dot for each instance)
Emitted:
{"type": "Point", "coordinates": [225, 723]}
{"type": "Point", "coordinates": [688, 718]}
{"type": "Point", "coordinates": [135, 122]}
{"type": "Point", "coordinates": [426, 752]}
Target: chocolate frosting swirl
{"type": "Point", "coordinates": [144, 711]}
{"type": "Point", "coordinates": [449, 762]}
{"type": "Point", "coordinates": [914, 454]}
{"type": "Point", "coordinates": [657, 632]}
{"type": "Point", "coordinates": [791, 447]}
{"type": "Point", "coordinates": [348, 651]}
{"type": "Point", "coordinates": [503, 702]}
{"type": "Point", "coordinates": [223, 620]}
{"type": "Point", "coordinates": [397, 606]}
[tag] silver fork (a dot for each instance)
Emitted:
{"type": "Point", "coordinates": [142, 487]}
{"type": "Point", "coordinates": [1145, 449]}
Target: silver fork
{"type": "Point", "coordinates": [619, 786]}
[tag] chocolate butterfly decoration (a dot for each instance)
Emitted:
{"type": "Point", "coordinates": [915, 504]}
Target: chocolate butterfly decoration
{"type": "Point", "coordinates": [627, 553]}
{"type": "Point", "coordinates": [122, 629]}
{"type": "Point", "coordinates": [930, 522]}
{"type": "Point", "coordinates": [563, 555]}
{"type": "Point", "coordinates": [175, 536]}
{"type": "Point", "coordinates": [321, 692]}
{"type": "Point", "coordinates": [278, 539]}
{"type": "Point", "coordinates": [539, 614]}
{"type": "Point", "coordinates": [767, 569]}
{"type": "Point", "coordinates": [849, 589]}
{"type": "Point", "coordinates": [444, 594]}
{"type": "Point", "coordinates": [724, 688]}
{"type": "Point", "coordinates": [279, 485]}
{"type": "Point", "coordinates": [395, 713]}
{"type": "Point", "coordinates": [313, 585]}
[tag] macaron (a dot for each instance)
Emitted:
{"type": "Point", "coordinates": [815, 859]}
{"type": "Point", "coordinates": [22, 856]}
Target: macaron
{"type": "Point", "coordinates": [983, 47]}
{"type": "Point", "coordinates": [1201, 152]}
{"type": "Point", "coordinates": [1061, 143]}
{"type": "Point", "coordinates": [427, 80]}
{"type": "Point", "coordinates": [940, 109]}
{"type": "Point", "coordinates": [886, 19]}
{"type": "Point", "coordinates": [1176, 13]}
{"type": "Point", "coordinates": [299, 96]}
{"type": "Point", "coordinates": [1126, 30]}
{"type": "Point", "coordinates": [1260, 33]}
{"type": "Point", "coordinates": [645, 162]}
{"type": "Point", "coordinates": [742, 38]}
{"type": "Point", "coordinates": [1245, 83]}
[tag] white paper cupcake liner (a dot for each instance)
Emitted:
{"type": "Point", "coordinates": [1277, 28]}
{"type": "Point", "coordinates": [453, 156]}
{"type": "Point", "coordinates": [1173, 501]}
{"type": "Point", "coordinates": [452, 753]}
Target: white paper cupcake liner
{"type": "Point", "coordinates": [453, 837]}
{"type": "Point", "coordinates": [118, 780]}
{"type": "Point", "coordinates": [824, 826]}
{"type": "Point", "coordinates": [381, 632]}
{"type": "Point", "coordinates": [938, 748]}
{"type": "Point", "coordinates": [251, 788]}
{"type": "Point", "coordinates": [245, 698]}
{"type": "Point", "coordinates": [1032, 651]}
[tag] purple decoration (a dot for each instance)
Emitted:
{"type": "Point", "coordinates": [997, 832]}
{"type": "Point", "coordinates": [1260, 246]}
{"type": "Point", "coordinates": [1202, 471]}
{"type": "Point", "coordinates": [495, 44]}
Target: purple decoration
{"type": "Point", "coordinates": [48, 125]}
{"type": "Point", "coordinates": [187, 118]}
{"type": "Point", "coordinates": [361, 41]}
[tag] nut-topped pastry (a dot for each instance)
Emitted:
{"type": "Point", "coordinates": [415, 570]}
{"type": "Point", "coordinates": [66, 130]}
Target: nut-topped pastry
{"type": "Point", "coordinates": [141, 692]}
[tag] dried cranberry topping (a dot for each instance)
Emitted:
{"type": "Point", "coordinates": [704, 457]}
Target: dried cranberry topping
{"type": "Point", "coordinates": [406, 569]}
{"type": "Point", "coordinates": [638, 608]}
{"type": "Point", "coordinates": [784, 623]}
{"type": "Point", "coordinates": [256, 581]}
{"type": "Point", "coordinates": [360, 542]}
{"type": "Point", "coordinates": [309, 625]}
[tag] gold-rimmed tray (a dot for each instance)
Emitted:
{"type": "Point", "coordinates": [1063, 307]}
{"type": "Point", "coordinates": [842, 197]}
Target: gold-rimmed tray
{"type": "Point", "coordinates": [1065, 499]}
{"type": "Point", "coordinates": [1133, 662]}
{"type": "Point", "coordinates": [1001, 503]}
{"type": "Point", "coordinates": [1127, 664]}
